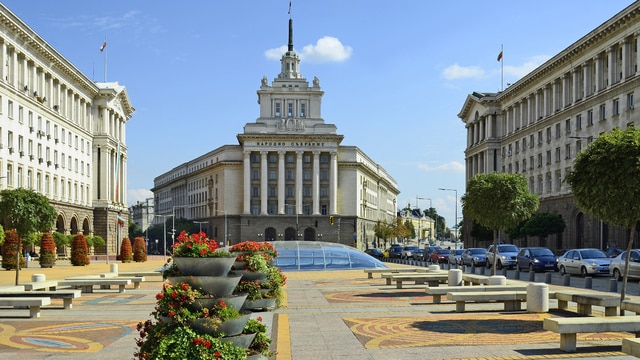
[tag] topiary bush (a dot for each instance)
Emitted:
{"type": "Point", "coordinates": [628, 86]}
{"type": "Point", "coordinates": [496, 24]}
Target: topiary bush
{"type": "Point", "coordinates": [139, 249]}
{"type": "Point", "coordinates": [10, 247]}
{"type": "Point", "coordinates": [47, 250]}
{"type": "Point", "coordinates": [125, 251]}
{"type": "Point", "coordinates": [79, 251]}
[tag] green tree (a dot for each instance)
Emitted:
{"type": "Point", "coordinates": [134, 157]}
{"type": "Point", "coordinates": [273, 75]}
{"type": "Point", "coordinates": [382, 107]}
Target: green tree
{"type": "Point", "coordinates": [604, 182]}
{"type": "Point", "coordinates": [27, 212]}
{"type": "Point", "coordinates": [499, 202]}
{"type": "Point", "coordinates": [400, 230]}
{"type": "Point", "coordinates": [543, 225]}
{"type": "Point", "coordinates": [438, 220]}
{"type": "Point", "coordinates": [383, 230]}
{"type": "Point", "coordinates": [481, 233]}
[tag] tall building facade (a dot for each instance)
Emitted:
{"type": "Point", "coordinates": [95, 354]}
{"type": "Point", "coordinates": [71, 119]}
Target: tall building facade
{"type": "Point", "coordinates": [62, 134]}
{"type": "Point", "coordinates": [288, 179]}
{"type": "Point", "coordinates": [536, 126]}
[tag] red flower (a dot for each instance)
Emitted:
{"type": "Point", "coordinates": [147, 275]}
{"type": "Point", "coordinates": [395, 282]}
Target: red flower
{"type": "Point", "coordinates": [217, 354]}
{"type": "Point", "coordinates": [160, 296]}
{"type": "Point", "coordinates": [174, 294]}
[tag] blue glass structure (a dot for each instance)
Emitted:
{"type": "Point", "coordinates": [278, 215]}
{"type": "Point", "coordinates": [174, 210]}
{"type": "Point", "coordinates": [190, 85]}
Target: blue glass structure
{"type": "Point", "coordinates": [318, 255]}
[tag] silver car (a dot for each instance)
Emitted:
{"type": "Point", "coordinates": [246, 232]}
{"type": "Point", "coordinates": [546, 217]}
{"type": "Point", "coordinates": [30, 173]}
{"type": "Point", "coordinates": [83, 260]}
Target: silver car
{"type": "Point", "coordinates": [617, 265]}
{"type": "Point", "coordinates": [584, 262]}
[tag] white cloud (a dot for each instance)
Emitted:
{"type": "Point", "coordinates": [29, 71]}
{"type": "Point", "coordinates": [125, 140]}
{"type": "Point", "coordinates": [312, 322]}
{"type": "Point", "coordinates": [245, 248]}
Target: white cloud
{"type": "Point", "coordinates": [456, 71]}
{"type": "Point", "coordinates": [138, 195]}
{"type": "Point", "coordinates": [527, 67]}
{"type": "Point", "coordinates": [326, 49]}
{"type": "Point", "coordinates": [450, 166]}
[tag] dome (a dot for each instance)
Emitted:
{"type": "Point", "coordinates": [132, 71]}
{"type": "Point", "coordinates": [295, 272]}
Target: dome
{"type": "Point", "coordinates": [318, 255]}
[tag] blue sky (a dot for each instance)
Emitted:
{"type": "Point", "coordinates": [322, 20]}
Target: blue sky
{"type": "Point", "coordinates": [395, 73]}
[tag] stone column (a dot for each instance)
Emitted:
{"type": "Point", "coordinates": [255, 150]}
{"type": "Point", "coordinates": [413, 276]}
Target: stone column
{"type": "Point", "coordinates": [625, 58]}
{"type": "Point", "coordinates": [611, 55]}
{"type": "Point", "coordinates": [537, 297]}
{"type": "Point", "coordinates": [281, 182]}
{"type": "Point", "coordinates": [263, 183]}
{"type": "Point", "coordinates": [246, 163]}
{"type": "Point", "coordinates": [316, 183]}
{"type": "Point", "coordinates": [333, 184]}
{"type": "Point", "coordinates": [299, 180]}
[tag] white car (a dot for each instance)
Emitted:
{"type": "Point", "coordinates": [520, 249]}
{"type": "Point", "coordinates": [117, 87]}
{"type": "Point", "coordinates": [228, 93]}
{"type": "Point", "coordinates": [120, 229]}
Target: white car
{"type": "Point", "coordinates": [507, 255]}
{"type": "Point", "coordinates": [617, 265]}
{"type": "Point", "coordinates": [584, 262]}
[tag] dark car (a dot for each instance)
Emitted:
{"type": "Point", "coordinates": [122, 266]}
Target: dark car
{"type": "Point", "coordinates": [418, 254]}
{"type": "Point", "coordinates": [474, 256]}
{"type": "Point", "coordinates": [428, 250]}
{"type": "Point", "coordinates": [376, 253]}
{"type": "Point", "coordinates": [536, 259]}
{"type": "Point", "coordinates": [407, 251]}
{"type": "Point", "coordinates": [395, 251]}
{"type": "Point", "coordinates": [454, 257]}
{"type": "Point", "coordinates": [440, 256]}
{"type": "Point", "coordinates": [613, 251]}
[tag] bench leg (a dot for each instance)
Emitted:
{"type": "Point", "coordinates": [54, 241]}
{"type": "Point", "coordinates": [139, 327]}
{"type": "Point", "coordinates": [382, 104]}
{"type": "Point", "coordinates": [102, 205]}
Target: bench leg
{"type": "Point", "coordinates": [105, 287]}
{"type": "Point", "coordinates": [369, 275]}
{"type": "Point", "coordinates": [568, 342]}
{"type": "Point", "coordinates": [67, 302]}
{"type": "Point", "coordinates": [437, 298]}
{"type": "Point", "coordinates": [121, 288]}
{"type": "Point", "coordinates": [512, 305]}
{"type": "Point", "coordinates": [434, 283]}
{"type": "Point", "coordinates": [563, 304]}
{"type": "Point", "coordinates": [460, 306]}
{"type": "Point", "coordinates": [399, 284]}
{"type": "Point", "coordinates": [34, 311]}
{"type": "Point", "coordinates": [87, 288]}
{"type": "Point", "coordinates": [136, 285]}
{"type": "Point", "coordinates": [611, 311]}
{"type": "Point", "coordinates": [584, 309]}
{"type": "Point", "coordinates": [388, 281]}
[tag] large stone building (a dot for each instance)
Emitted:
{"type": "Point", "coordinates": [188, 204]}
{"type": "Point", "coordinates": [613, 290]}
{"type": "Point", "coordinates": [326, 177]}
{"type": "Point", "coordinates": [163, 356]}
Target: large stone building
{"type": "Point", "coordinates": [536, 126]}
{"type": "Point", "coordinates": [288, 179]}
{"type": "Point", "coordinates": [62, 134]}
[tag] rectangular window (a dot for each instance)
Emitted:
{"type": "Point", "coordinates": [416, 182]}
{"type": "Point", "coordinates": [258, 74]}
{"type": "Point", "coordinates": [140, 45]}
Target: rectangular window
{"type": "Point", "coordinates": [20, 114]}
{"type": "Point", "coordinates": [567, 126]}
{"type": "Point", "coordinates": [324, 192]}
{"type": "Point", "coordinates": [590, 118]}
{"type": "Point", "coordinates": [255, 174]}
{"type": "Point", "coordinates": [524, 143]}
{"type": "Point", "coordinates": [630, 101]}
{"type": "Point", "coordinates": [539, 160]}
{"type": "Point", "coordinates": [578, 146]}
{"type": "Point", "coordinates": [548, 134]}
{"type": "Point", "coordinates": [254, 157]}
{"type": "Point", "coordinates": [289, 192]}
{"type": "Point", "coordinates": [290, 159]}
{"type": "Point", "coordinates": [557, 154]}
{"type": "Point", "coordinates": [579, 122]}
{"type": "Point", "coordinates": [278, 109]}
{"type": "Point", "coordinates": [324, 210]}
{"type": "Point", "coordinates": [603, 113]}
{"type": "Point", "coordinates": [616, 107]}
{"type": "Point", "coordinates": [306, 191]}
{"type": "Point", "coordinates": [540, 137]}
{"type": "Point", "coordinates": [568, 151]}
{"type": "Point", "coordinates": [306, 175]}
{"type": "Point", "coordinates": [306, 158]}
{"type": "Point", "coordinates": [531, 141]}
{"type": "Point", "coordinates": [272, 158]}
{"type": "Point", "coordinates": [255, 210]}
{"type": "Point", "coordinates": [290, 175]}
{"type": "Point", "coordinates": [324, 158]}
{"type": "Point", "coordinates": [324, 175]}
{"type": "Point", "coordinates": [303, 110]}
{"type": "Point", "coordinates": [272, 191]}
{"type": "Point", "coordinates": [548, 156]}
{"type": "Point", "coordinates": [558, 131]}
{"type": "Point", "coordinates": [273, 175]}
{"type": "Point", "coordinates": [10, 109]}
{"type": "Point", "coordinates": [255, 191]}
{"type": "Point", "coordinates": [290, 109]}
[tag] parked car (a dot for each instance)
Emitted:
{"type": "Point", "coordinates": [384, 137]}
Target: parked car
{"type": "Point", "coordinates": [428, 250]}
{"type": "Point", "coordinates": [407, 252]}
{"type": "Point", "coordinates": [440, 256]}
{"type": "Point", "coordinates": [376, 253]}
{"type": "Point", "coordinates": [395, 250]}
{"type": "Point", "coordinates": [613, 251]}
{"type": "Point", "coordinates": [506, 258]}
{"type": "Point", "coordinates": [418, 254]}
{"type": "Point", "coordinates": [536, 259]}
{"type": "Point", "coordinates": [454, 256]}
{"type": "Point", "coordinates": [474, 256]}
{"type": "Point", "coordinates": [584, 262]}
{"type": "Point", "coordinates": [616, 268]}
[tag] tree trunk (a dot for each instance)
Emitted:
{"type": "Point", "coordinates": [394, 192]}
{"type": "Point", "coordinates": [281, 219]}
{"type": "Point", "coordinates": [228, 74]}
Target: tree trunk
{"type": "Point", "coordinates": [495, 252]}
{"type": "Point", "coordinates": [623, 289]}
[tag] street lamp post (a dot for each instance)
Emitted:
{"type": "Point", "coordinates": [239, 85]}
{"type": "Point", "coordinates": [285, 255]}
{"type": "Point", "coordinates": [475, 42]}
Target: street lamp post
{"type": "Point", "coordinates": [225, 225]}
{"type": "Point", "coordinates": [164, 227]}
{"type": "Point", "coordinates": [456, 212]}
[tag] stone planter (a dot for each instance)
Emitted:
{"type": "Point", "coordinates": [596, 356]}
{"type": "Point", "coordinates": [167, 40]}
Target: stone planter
{"type": "Point", "coordinates": [231, 327]}
{"type": "Point", "coordinates": [259, 304]}
{"type": "Point", "coordinates": [242, 340]}
{"type": "Point", "coordinates": [248, 275]}
{"type": "Point", "coordinates": [47, 265]}
{"type": "Point", "coordinates": [240, 265]}
{"type": "Point", "coordinates": [234, 301]}
{"type": "Point", "coordinates": [206, 266]}
{"type": "Point", "coordinates": [218, 286]}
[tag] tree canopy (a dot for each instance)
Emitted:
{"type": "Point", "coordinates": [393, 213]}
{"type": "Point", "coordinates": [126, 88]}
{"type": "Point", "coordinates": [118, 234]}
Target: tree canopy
{"type": "Point", "coordinates": [498, 201]}
{"type": "Point", "coordinates": [604, 182]}
{"type": "Point", "coordinates": [544, 224]}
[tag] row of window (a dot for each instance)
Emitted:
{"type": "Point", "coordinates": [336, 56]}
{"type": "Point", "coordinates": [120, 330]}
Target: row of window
{"type": "Point", "coordinates": [290, 175]}
{"type": "Point", "coordinates": [291, 110]}
{"type": "Point", "coordinates": [290, 191]}
{"type": "Point", "coordinates": [53, 187]}
{"type": "Point", "coordinates": [272, 209]}
{"type": "Point", "coordinates": [289, 158]}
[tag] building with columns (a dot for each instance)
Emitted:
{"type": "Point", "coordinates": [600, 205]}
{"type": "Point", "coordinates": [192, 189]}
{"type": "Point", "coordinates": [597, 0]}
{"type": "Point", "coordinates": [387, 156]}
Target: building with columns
{"type": "Point", "coordinates": [289, 178]}
{"type": "Point", "coordinates": [62, 134]}
{"type": "Point", "coordinates": [536, 126]}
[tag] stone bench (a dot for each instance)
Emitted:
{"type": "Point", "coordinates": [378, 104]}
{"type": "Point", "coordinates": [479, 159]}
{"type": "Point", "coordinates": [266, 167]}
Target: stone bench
{"type": "Point", "coordinates": [40, 285]}
{"type": "Point", "coordinates": [474, 279]}
{"type": "Point", "coordinates": [631, 346]}
{"type": "Point", "coordinates": [585, 301]}
{"type": "Point", "coordinates": [438, 291]}
{"type": "Point", "coordinates": [86, 285]}
{"type": "Point", "coordinates": [139, 273]}
{"type": "Point", "coordinates": [16, 288]}
{"type": "Point", "coordinates": [569, 327]}
{"type": "Point", "coordinates": [433, 279]}
{"type": "Point", "coordinates": [370, 272]}
{"type": "Point", "coordinates": [512, 299]}
{"type": "Point", "coordinates": [34, 303]}
{"type": "Point", "coordinates": [67, 295]}
{"type": "Point", "coordinates": [630, 305]}
{"type": "Point", "coordinates": [135, 280]}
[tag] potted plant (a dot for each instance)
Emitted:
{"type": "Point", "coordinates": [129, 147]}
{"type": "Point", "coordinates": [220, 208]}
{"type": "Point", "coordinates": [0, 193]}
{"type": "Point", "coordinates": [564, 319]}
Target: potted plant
{"type": "Point", "coordinates": [198, 255]}
{"type": "Point", "coordinates": [79, 251]}
{"type": "Point", "coordinates": [139, 249]}
{"type": "Point", "coordinates": [260, 347]}
{"type": "Point", "coordinates": [125, 251]}
{"type": "Point", "coordinates": [10, 247]}
{"type": "Point", "coordinates": [47, 256]}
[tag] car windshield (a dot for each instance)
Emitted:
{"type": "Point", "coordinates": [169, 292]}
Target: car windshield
{"type": "Point", "coordinates": [477, 251]}
{"type": "Point", "coordinates": [592, 254]}
{"type": "Point", "coordinates": [444, 252]}
{"type": "Point", "coordinates": [410, 247]}
{"type": "Point", "coordinates": [507, 248]}
{"type": "Point", "coordinates": [541, 252]}
{"type": "Point", "coordinates": [459, 252]}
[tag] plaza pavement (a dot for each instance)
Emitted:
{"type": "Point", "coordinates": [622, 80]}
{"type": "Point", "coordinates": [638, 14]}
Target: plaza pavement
{"type": "Point", "coordinates": [327, 315]}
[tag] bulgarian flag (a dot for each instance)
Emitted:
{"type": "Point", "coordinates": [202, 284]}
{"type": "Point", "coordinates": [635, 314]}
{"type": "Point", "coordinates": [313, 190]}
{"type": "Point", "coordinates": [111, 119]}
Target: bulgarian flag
{"type": "Point", "coordinates": [104, 45]}
{"type": "Point", "coordinates": [500, 56]}
{"type": "Point", "coordinates": [120, 221]}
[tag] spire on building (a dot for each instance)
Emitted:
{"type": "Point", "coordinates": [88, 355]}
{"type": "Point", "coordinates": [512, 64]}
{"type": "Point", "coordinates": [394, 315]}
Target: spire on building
{"type": "Point", "coordinates": [290, 61]}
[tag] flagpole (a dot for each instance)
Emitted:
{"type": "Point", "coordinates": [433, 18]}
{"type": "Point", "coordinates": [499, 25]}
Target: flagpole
{"type": "Point", "coordinates": [502, 68]}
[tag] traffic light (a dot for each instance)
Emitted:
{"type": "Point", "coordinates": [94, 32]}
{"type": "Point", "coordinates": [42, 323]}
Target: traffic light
{"type": "Point", "coordinates": [331, 219]}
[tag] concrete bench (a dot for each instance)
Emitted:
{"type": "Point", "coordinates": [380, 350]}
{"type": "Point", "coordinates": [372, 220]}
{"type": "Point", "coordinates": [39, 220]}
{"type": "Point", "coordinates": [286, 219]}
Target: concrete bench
{"type": "Point", "coordinates": [569, 327]}
{"type": "Point", "coordinates": [34, 303]}
{"type": "Point", "coordinates": [433, 279]}
{"type": "Point", "coordinates": [40, 285]}
{"type": "Point", "coordinates": [67, 295]}
{"type": "Point", "coordinates": [135, 280]}
{"type": "Point", "coordinates": [6, 289]}
{"type": "Point", "coordinates": [86, 285]}
{"type": "Point", "coordinates": [474, 279]}
{"type": "Point", "coordinates": [438, 291]}
{"type": "Point", "coordinates": [370, 272]}
{"type": "Point", "coordinates": [585, 301]}
{"type": "Point", "coordinates": [108, 275]}
{"type": "Point", "coordinates": [630, 305]}
{"type": "Point", "coordinates": [512, 299]}
{"type": "Point", "coordinates": [631, 346]}
{"type": "Point", "coordinates": [139, 273]}
{"type": "Point", "coordinates": [390, 276]}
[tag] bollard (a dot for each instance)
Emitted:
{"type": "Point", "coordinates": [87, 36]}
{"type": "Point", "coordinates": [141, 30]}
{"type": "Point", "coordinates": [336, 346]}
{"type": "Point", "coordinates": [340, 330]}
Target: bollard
{"type": "Point", "coordinates": [504, 271]}
{"type": "Point", "coordinates": [434, 267]}
{"type": "Point", "coordinates": [473, 268]}
{"type": "Point", "coordinates": [588, 282]}
{"type": "Point", "coordinates": [566, 280]}
{"type": "Point", "coordinates": [113, 268]}
{"type": "Point", "coordinates": [613, 285]}
{"type": "Point", "coordinates": [517, 273]}
{"type": "Point", "coordinates": [38, 277]}
{"type": "Point", "coordinates": [455, 277]}
{"type": "Point", "coordinates": [497, 280]}
{"type": "Point", "coordinates": [532, 276]}
{"type": "Point", "coordinates": [537, 298]}
{"type": "Point", "coordinates": [547, 278]}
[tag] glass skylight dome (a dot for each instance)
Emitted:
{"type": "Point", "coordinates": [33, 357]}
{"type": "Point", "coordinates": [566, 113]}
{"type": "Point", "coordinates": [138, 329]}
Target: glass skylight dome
{"type": "Point", "coordinates": [318, 255]}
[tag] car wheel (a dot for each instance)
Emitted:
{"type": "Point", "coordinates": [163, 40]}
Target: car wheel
{"type": "Point", "coordinates": [583, 271]}
{"type": "Point", "coordinates": [531, 268]}
{"type": "Point", "coordinates": [563, 271]}
{"type": "Point", "coordinates": [499, 265]}
{"type": "Point", "coordinates": [616, 274]}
